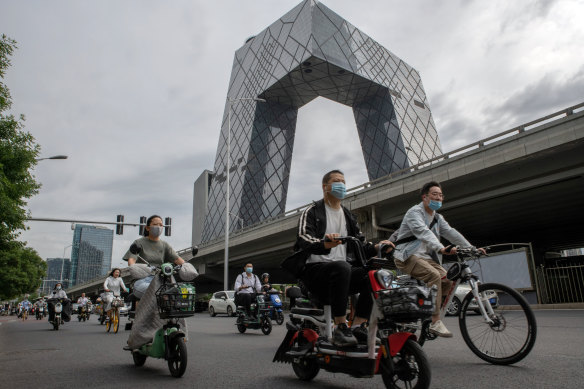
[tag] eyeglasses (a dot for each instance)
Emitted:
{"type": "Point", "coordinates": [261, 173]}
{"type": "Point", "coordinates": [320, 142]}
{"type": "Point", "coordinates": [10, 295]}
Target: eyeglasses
{"type": "Point", "coordinates": [437, 194]}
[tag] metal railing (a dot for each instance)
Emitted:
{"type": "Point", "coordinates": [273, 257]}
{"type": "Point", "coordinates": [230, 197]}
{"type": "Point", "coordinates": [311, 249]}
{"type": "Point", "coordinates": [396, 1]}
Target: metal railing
{"type": "Point", "coordinates": [562, 284]}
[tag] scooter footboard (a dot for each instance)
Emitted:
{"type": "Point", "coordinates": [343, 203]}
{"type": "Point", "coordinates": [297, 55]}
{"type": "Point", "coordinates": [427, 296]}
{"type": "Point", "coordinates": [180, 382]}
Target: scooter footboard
{"type": "Point", "coordinates": [357, 367]}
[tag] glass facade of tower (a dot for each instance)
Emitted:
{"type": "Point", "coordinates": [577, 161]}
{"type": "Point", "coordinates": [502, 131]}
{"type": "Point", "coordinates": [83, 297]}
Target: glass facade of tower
{"type": "Point", "coordinates": [54, 268]}
{"type": "Point", "coordinates": [91, 254]}
{"type": "Point", "coordinates": [309, 52]}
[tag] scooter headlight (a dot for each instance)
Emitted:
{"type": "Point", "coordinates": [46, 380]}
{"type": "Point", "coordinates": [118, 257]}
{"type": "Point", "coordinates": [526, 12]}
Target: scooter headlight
{"type": "Point", "coordinates": [384, 278]}
{"type": "Point", "coordinates": [167, 269]}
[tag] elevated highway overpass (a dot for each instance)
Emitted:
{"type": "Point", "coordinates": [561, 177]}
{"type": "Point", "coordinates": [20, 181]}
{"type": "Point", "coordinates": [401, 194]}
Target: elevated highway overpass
{"type": "Point", "coordinates": [525, 184]}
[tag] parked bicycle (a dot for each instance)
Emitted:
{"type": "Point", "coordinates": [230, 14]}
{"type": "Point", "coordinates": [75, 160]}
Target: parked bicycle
{"type": "Point", "coordinates": [495, 321]}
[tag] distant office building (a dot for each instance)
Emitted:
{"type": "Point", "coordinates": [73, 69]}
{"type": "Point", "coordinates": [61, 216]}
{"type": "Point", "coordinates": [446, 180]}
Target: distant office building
{"type": "Point", "coordinates": [310, 52]}
{"type": "Point", "coordinates": [200, 199]}
{"type": "Point", "coordinates": [91, 255]}
{"type": "Point", "coordinates": [55, 267]}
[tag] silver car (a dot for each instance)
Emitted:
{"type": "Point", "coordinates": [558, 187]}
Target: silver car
{"type": "Point", "coordinates": [461, 292]}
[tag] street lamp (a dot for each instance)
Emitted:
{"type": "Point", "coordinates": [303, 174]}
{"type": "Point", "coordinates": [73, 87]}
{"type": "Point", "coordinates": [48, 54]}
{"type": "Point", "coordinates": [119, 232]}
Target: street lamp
{"type": "Point", "coordinates": [231, 102]}
{"type": "Point", "coordinates": [53, 157]}
{"type": "Point", "coordinates": [63, 263]}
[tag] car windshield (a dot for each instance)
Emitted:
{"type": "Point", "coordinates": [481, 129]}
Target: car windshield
{"type": "Point", "coordinates": [230, 294]}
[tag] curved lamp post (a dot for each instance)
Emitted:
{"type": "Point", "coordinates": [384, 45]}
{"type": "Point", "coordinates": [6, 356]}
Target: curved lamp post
{"type": "Point", "coordinates": [53, 157]}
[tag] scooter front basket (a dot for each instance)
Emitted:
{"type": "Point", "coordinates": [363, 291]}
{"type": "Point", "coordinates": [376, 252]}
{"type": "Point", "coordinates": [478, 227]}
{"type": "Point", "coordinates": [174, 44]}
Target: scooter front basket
{"type": "Point", "coordinates": [407, 303]}
{"type": "Point", "coordinates": [176, 300]}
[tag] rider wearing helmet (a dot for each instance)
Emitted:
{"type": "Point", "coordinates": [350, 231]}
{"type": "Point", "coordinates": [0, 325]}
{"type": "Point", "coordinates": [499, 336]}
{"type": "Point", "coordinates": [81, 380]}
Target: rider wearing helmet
{"type": "Point", "coordinates": [266, 286]}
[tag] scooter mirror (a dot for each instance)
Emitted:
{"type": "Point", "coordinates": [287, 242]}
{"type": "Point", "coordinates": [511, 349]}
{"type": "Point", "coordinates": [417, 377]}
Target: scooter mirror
{"type": "Point", "coordinates": [135, 249]}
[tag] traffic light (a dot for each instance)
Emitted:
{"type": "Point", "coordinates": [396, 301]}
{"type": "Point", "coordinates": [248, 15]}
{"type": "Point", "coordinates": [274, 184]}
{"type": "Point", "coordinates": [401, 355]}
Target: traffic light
{"type": "Point", "coordinates": [167, 227]}
{"type": "Point", "coordinates": [120, 227]}
{"type": "Point", "coordinates": [142, 225]}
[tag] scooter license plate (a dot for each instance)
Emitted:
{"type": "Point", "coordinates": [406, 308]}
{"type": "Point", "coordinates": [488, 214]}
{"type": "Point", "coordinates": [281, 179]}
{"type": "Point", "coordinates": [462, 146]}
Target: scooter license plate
{"type": "Point", "coordinates": [492, 300]}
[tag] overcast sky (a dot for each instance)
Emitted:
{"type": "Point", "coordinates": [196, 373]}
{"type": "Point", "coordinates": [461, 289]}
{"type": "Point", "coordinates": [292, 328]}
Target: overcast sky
{"type": "Point", "coordinates": [133, 92]}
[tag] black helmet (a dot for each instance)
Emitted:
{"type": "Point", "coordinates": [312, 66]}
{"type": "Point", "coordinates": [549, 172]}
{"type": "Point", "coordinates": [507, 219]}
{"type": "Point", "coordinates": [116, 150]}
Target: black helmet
{"type": "Point", "coordinates": [265, 275]}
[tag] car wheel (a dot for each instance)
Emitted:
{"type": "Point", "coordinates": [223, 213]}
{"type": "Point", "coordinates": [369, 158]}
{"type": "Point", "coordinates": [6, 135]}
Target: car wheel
{"type": "Point", "coordinates": [229, 310]}
{"type": "Point", "coordinates": [454, 307]}
{"type": "Point", "coordinates": [212, 312]}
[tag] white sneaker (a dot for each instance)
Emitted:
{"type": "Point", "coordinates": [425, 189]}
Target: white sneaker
{"type": "Point", "coordinates": [440, 329]}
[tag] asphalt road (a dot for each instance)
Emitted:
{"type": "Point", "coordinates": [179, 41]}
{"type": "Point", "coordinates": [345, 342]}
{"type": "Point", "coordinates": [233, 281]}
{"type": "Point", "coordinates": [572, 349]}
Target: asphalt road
{"type": "Point", "coordinates": [84, 355]}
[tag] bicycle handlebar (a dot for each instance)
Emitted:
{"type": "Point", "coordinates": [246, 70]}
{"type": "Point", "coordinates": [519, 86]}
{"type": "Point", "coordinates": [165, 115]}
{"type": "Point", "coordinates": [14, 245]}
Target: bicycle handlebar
{"type": "Point", "coordinates": [469, 252]}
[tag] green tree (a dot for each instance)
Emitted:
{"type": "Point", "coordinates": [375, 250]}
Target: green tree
{"type": "Point", "coordinates": [18, 153]}
{"type": "Point", "coordinates": [21, 268]}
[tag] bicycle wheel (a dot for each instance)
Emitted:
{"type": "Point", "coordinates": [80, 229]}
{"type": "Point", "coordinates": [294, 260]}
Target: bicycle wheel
{"type": "Point", "coordinates": [511, 336]}
{"type": "Point", "coordinates": [177, 363]}
{"type": "Point", "coordinates": [410, 368]}
{"type": "Point", "coordinates": [108, 322]}
{"type": "Point", "coordinates": [116, 323]}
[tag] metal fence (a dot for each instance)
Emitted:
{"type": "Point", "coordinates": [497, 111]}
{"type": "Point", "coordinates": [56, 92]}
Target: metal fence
{"type": "Point", "coordinates": [562, 284]}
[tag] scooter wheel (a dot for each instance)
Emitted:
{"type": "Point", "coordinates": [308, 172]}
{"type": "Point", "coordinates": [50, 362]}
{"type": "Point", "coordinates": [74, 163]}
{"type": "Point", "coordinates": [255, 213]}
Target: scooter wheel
{"type": "Point", "coordinates": [279, 318]}
{"type": "Point", "coordinates": [266, 325]}
{"type": "Point", "coordinates": [139, 359]}
{"type": "Point", "coordinates": [410, 368]}
{"type": "Point", "coordinates": [177, 364]}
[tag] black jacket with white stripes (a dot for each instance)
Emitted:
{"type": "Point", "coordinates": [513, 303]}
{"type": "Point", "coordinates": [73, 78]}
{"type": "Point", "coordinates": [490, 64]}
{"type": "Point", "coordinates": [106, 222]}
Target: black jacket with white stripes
{"type": "Point", "coordinates": [312, 227]}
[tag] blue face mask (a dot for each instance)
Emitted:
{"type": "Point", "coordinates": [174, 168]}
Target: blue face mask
{"type": "Point", "coordinates": [249, 269]}
{"type": "Point", "coordinates": [338, 190]}
{"type": "Point", "coordinates": [435, 205]}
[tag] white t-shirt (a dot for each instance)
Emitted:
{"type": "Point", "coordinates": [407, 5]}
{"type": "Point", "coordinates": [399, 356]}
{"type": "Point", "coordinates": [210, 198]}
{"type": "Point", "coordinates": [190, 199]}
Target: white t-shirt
{"type": "Point", "coordinates": [335, 224]}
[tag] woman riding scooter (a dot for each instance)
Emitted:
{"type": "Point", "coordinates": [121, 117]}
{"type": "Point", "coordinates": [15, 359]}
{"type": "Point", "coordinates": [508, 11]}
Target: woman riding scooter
{"type": "Point", "coordinates": [156, 252]}
{"type": "Point", "coordinates": [59, 293]}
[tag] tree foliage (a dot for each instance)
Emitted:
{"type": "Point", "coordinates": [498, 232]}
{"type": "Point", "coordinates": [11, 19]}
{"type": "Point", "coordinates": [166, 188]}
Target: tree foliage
{"type": "Point", "coordinates": [21, 268]}
{"type": "Point", "coordinates": [18, 153]}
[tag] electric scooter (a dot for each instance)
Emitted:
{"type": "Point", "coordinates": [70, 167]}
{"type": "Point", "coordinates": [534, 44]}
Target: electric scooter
{"type": "Point", "coordinates": [275, 306]}
{"type": "Point", "coordinates": [174, 301]}
{"type": "Point", "coordinates": [259, 319]}
{"type": "Point", "coordinates": [58, 306]}
{"type": "Point", "coordinates": [395, 355]}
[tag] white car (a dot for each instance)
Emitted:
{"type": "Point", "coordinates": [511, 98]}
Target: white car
{"type": "Point", "coordinates": [460, 294]}
{"type": "Point", "coordinates": [124, 310]}
{"type": "Point", "coordinates": [222, 302]}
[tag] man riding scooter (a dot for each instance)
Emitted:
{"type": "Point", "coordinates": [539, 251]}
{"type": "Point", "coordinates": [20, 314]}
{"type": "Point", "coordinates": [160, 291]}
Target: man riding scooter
{"type": "Point", "coordinates": [328, 271]}
{"type": "Point", "coordinates": [271, 296]}
{"type": "Point", "coordinates": [247, 285]}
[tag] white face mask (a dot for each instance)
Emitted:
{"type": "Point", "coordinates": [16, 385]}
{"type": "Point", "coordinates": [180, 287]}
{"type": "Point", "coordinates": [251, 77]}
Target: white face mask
{"type": "Point", "coordinates": [58, 288]}
{"type": "Point", "coordinates": [155, 231]}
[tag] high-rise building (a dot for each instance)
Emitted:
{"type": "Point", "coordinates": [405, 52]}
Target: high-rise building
{"type": "Point", "coordinates": [57, 270]}
{"type": "Point", "coordinates": [91, 254]}
{"type": "Point", "coordinates": [310, 52]}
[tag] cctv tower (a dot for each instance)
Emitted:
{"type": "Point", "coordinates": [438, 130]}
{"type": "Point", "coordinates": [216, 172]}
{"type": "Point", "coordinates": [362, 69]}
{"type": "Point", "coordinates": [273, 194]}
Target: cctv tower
{"type": "Point", "coordinates": [309, 52]}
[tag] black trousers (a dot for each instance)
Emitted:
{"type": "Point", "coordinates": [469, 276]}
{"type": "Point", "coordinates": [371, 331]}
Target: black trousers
{"type": "Point", "coordinates": [333, 282]}
{"type": "Point", "coordinates": [245, 300]}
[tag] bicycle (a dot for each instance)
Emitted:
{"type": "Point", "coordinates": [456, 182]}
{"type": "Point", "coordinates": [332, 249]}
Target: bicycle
{"type": "Point", "coordinates": [502, 330]}
{"type": "Point", "coordinates": [114, 315]}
